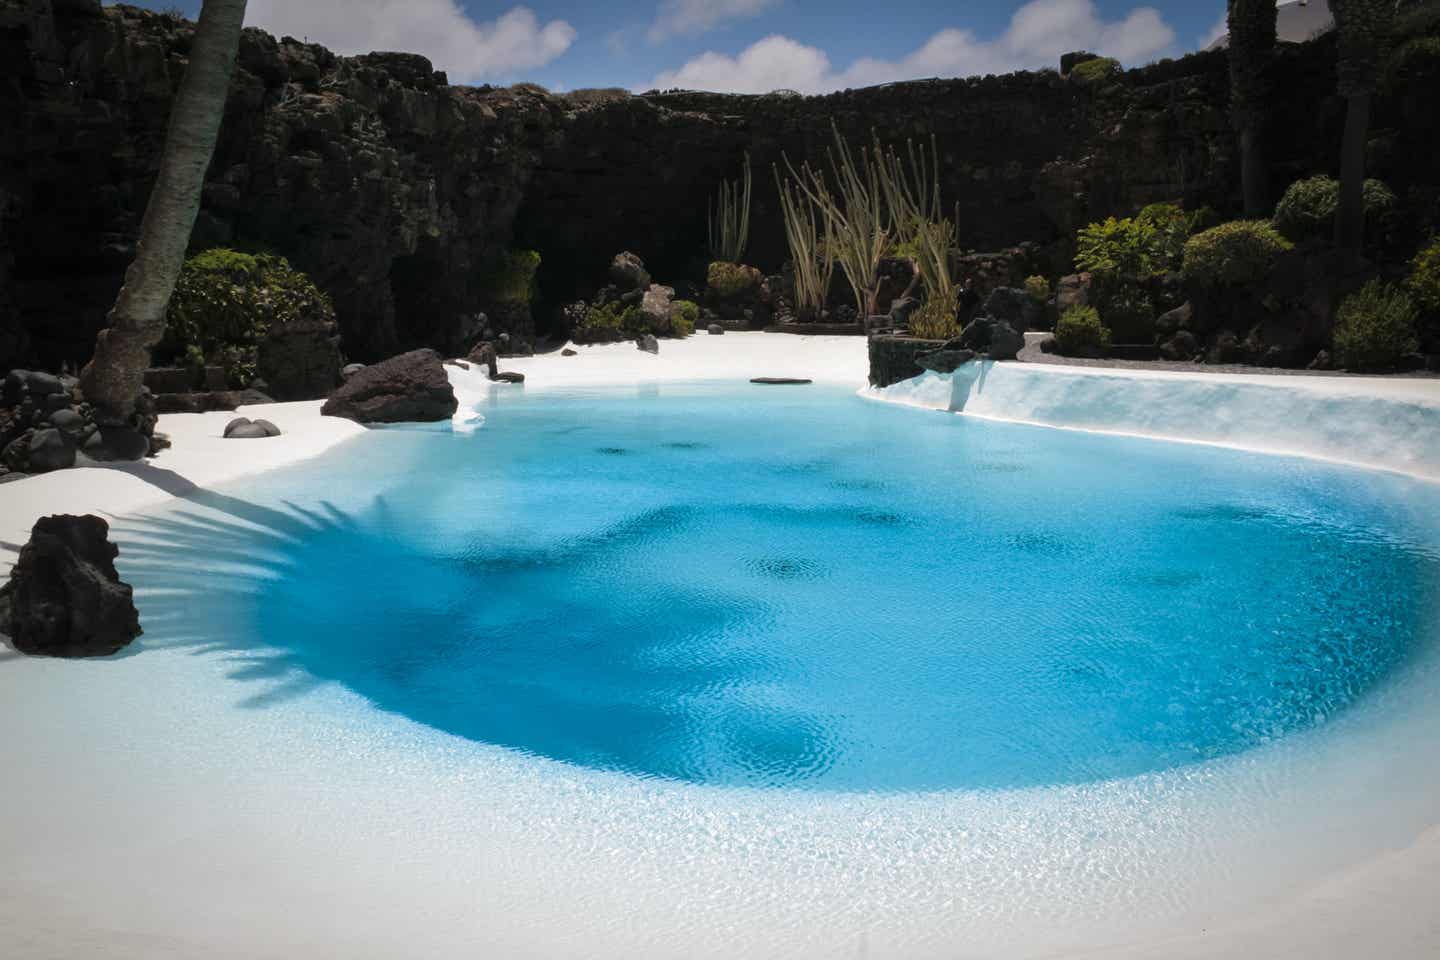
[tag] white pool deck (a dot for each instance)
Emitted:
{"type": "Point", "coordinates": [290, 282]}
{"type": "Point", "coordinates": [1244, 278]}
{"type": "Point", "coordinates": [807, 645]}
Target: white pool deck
{"type": "Point", "coordinates": [137, 822]}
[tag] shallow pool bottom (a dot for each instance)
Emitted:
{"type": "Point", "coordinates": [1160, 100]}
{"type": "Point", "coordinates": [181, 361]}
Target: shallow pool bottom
{"type": "Point", "coordinates": [852, 598]}
{"type": "Point", "coordinates": [272, 808]}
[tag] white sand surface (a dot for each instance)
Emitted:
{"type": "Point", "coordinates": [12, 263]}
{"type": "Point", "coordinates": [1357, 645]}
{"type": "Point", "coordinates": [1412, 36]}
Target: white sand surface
{"type": "Point", "coordinates": [151, 811]}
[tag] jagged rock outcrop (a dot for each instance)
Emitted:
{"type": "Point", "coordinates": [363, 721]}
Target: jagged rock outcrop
{"type": "Point", "coordinates": [392, 189]}
{"type": "Point", "coordinates": [410, 388]}
{"type": "Point", "coordinates": [64, 597]}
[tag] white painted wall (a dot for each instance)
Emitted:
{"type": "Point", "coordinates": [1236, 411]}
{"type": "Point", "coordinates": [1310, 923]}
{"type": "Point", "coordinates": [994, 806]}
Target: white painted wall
{"type": "Point", "coordinates": [1391, 424]}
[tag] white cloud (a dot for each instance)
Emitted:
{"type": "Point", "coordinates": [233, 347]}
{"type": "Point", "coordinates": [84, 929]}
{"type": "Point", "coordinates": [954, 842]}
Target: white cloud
{"type": "Point", "coordinates": [688, 17]}
{"type": "Point", "coordinates": [439, 29]}
{"type": "Point", "coordinates": [1037, 35]}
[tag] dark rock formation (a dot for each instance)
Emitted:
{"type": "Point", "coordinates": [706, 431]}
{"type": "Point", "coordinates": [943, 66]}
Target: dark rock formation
{"type": "Point", "coordinates": [947, 359]}
{"type": "Point", "coordinates": [715, 330]}
{"type": "Point", "coordinates": [409, 388]}
{"type": "Point", "coordinates": [43, 422]}
{"type": "Point", "coordinates": [392, 189]}
{"type": "Point", "coordinates": [893, 359]}
{"type": "Point", "coordinates": [991, 336]}
{"type": "Point", "coordinates": [648, 343]}
{"type": "Point", "coordinates": [64, 597]}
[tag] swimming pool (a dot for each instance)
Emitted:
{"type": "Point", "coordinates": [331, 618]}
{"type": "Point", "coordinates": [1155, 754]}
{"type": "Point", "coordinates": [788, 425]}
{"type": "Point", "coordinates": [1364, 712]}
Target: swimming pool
{"type": "Point", "coordinates": [777, 673]}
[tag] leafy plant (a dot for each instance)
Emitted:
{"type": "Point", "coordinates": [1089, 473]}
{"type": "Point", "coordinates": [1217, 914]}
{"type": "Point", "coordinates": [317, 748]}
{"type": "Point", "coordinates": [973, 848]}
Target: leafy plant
{"type": "Point", "coordinates": [1079, 333]}
{"type": "Point", "coordinates": [1307, 210]}
{"type": "Point", "coordinates": [935, 319]}
{"type": "Point", "coordinates": [684, 314]}
{"type": "Point", "coordinates": [1375, 327]}
{"type": "Point", "coordinates": [1424, 281]}
{"type": "Point", "coordinates": [1038, 288]}
{"type": "Point", "coordinates": [1234, 254]}
{"type": "Point", "coordinates": [1118, 249]}
{"type": "Point", "coordinates": [607, 323]}
{"type": "Point", "coordinates": [730, 218]}
{"type": "Point", "coordinates": [1129, 313]}
{"type": "Point", "coordinates": [226, 303]}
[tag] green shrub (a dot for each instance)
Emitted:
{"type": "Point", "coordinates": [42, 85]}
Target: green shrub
{"type": "Point", "coordinates": [1129, 313]}
{"type": "Point", "coordinates": [1095, 71]}
{"type": "Point", "coordinates": [607, 323]}
{"type": "Point", "coordinates": [1038, 288]}
{"type": "Point", "coordinates": [226, 303]}
{"type": "Point", "coordinates": [935, 319]}
{"type": "Point", "coordinates": [1173, 226]}
{"type": "Point", "coordinates": [1234, 254]}
{"type": "Point", "coordinates": [1424, 282]}
{"type": "Point", "coordinates": [1307, 211]}
{"type": "Point", "coordinates": [684, 314]}
{"type": "Point", "coordinates": [510, 277]}
{"type": "Point", "coordinates": [1118, 249]}
{"type": "Point", "coordinates": [730, 280]}
{"type": "Point", "coordinates": [1375, 328]}
{"type": "Point", "coordinates": [1079, 332]}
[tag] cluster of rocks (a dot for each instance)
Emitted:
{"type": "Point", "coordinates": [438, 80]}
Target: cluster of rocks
{"type": "Point", "coordinates": [46, 425]}
{"type": "Point", "coordinates": [995, 333]}
{"type": "Point", "coordinates": [64, 597]}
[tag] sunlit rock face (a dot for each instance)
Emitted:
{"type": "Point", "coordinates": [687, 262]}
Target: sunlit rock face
{"type": "Point", "coordinates": [394, 189]}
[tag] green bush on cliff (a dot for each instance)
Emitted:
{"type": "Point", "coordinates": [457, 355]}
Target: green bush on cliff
{"type": "Point", "coordinates": [510, 277]}
{"type": "Point", "coordinates": [1038, 288]}
{"type": "Point", "coordinates": [1095, 71]}
{"type": "Point", "coordinates": [1375, 328]}
{"type": "Point", "coordinates": [1307, 211]}
{"type": "Point", "coordinates": [226, 303]}
{"type": "Point", "coordinates": [1079, 333]}
{"type": "Point", "coordinates": [684, 314]}
{"type": "Point", "coordinates": [1424, 282]}
{"type": "Point", "coordinates": [1234, 254]}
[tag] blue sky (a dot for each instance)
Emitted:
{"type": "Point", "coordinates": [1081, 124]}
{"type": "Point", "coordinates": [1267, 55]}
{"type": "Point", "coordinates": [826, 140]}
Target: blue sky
{"type": "Point", "coordinates": [738, 45]}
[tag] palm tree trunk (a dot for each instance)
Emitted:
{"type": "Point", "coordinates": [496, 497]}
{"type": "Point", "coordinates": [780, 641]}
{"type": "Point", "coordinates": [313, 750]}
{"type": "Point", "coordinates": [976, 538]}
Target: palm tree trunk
{"type": "Point", "coordinates": [115, 375]}
{"type": "Point", "coordinates": [1254, 174]}
{"type": "Point", "coordinates": [1350, 221]}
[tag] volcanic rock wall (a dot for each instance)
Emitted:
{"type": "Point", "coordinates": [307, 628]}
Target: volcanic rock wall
{"type": "Point", "coordinates": [393, 188]}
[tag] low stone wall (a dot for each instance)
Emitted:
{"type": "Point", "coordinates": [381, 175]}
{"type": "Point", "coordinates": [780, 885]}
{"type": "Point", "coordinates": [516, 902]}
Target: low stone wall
{"type": "Point", "coordinates": [892, 359]}
{"type": "Point", "coordinates": [1390, 424]}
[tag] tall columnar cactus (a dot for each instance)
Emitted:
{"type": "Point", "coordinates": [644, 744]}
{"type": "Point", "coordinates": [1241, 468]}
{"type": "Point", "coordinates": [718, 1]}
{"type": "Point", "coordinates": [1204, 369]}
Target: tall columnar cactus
{"type": "Point", "coordinates": [1252, 49]}
{"type": "Point", "coordinates": [811, 238]}
{"type": "Point", "coordinates": [1364, 30]}
{"type": "Point", "coordinates": [730, 219]}
{"type": "Point", "coordinates": [857, 215]}
{"type": "Point", "coordinates": [912, 193]}
{"type": "Point", "coordinates": [115, 375]}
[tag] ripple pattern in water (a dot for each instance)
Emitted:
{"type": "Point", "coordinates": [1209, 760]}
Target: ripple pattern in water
{"type": "Point", "coordinates": [818, 592]}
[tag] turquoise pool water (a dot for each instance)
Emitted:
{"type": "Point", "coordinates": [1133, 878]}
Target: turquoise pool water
{"type": "Point", "coordinates": [795, 588]}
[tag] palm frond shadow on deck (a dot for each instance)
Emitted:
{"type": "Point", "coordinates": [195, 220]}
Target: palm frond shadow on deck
{"type": "Point", "coordinates": [195, 565]}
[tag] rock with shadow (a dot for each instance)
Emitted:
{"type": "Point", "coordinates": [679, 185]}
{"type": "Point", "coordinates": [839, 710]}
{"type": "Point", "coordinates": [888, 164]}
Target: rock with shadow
{"type": "Point", "coordinates": [64, 597]}
{"type": "Point", "coordinates": [410, 388]}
